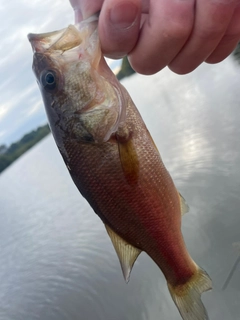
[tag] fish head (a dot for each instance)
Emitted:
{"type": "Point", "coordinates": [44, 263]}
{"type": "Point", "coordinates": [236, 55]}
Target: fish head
{"type": "Point", "coordinates": [62, 61]}
{"type": "Point", "coordinates": [80, 100]}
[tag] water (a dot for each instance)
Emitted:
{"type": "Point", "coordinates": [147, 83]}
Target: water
{"type": "Point", "coordinates": [56, 260]}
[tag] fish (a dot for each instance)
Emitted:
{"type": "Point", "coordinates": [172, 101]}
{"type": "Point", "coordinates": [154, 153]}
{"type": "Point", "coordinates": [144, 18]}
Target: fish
{"type": "Point", "coordinates": [114, 161]}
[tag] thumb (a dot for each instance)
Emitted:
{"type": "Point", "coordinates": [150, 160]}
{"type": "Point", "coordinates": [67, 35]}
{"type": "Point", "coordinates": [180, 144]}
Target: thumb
{"type": "Point", "coordinates": [118, 27]}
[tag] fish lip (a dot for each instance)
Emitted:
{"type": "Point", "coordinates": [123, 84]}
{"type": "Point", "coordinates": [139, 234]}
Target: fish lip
{"type": "Point", "coordinates": [58, 41]}
{"type": "Point", "coordinates": [43, 41]}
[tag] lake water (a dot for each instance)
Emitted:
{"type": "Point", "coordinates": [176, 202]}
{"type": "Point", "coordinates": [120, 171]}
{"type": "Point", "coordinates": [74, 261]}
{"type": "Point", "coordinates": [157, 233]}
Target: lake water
{"type": "Point", "coordinates": [56, 260]}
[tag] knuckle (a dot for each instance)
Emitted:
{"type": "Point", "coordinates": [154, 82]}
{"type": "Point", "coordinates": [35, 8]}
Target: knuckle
{"type": "Point", "coordinates": [181, 68]}
{"type": "Point", "coordinates": [228, 39]}
{"type": "Point", "coordinates": [225, 47]}
{"type": "Point", "coordinates": [143, 66]}
{"type": "Point", "coordinates": [177, 31]}
{"type": "Point", "coordinates": [181, 71]}
{"type": "Point", "coordinates": [207, 34]}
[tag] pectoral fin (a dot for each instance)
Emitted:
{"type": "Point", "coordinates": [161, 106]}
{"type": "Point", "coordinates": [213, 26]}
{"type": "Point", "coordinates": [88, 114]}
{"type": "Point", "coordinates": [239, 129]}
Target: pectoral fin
{"type": "Point", "coordinates": [127, 253]}
{"type": "Point", "coordinates": [184, 205]}
{"type": "Point", "coordinates": [129, 160]}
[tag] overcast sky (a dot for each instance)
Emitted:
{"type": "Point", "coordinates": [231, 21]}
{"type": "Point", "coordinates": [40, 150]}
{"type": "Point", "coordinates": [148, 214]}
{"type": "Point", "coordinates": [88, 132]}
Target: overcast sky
{"type": "Point", "coordinates": [21, 107]}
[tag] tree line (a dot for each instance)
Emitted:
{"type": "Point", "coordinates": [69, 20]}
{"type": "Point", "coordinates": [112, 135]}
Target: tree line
{"type": "Point", "coordinates": [126, 69]}
{"type": "Point", "coordinates": [16, 149]}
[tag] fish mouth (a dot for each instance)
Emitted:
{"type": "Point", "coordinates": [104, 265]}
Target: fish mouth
{"type": "Point", "coordinates": [61, 40]}
{"type": "Point", "coordinates": [64, 39]}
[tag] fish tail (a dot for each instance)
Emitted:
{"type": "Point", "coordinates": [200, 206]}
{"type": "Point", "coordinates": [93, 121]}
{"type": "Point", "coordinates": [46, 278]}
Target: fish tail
{"type": "Point", "coordinates": [187, 296]}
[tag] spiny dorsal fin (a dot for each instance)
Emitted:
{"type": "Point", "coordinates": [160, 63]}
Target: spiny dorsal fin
{"type": "Point", "coordinates": [184, 205]}
{"type": "Point", "coordinates": [127, 253]}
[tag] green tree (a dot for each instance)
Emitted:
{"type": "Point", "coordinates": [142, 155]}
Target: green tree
{"type": "Point", "coordinates": [16, 149]}
{"type": "Point", "coordinates": [3, 148]}
{"type": "Point", "coordinates": [126, 69]}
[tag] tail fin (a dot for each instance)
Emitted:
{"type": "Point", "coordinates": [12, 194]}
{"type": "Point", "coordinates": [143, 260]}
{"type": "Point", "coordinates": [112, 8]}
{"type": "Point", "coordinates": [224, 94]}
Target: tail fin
{"type": "Point", "coordinates": [187, 297]}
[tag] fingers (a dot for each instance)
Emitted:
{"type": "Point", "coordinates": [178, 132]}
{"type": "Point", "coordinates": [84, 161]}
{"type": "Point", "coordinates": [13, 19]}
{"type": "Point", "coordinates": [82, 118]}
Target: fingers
{"type": "Point", "coordinates": [212, 19]}
{"type": "Point", "coordinates": [118, 27]}
{"type": "Point", "coordinates": [229, 41]}
{"type": "Point", "coordinates": [156, 33]}
{"type": "Point", "coordinates": [163, 34]}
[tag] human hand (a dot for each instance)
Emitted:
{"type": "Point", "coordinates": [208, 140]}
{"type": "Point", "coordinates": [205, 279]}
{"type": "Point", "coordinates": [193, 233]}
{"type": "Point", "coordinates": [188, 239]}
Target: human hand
{"type": "Point", "coordinates": [180, 34]}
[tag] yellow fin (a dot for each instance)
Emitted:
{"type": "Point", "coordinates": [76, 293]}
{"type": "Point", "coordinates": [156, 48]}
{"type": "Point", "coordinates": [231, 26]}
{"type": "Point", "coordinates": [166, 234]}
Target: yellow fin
{"type": "Point", "coordinates": [127, 253]}
{"type": "Point", "coordinates": [183, 204]}
{"type": "Point", "coordinates": [187, 297]}
{"type": "Point", "coordinates": [129, 160]}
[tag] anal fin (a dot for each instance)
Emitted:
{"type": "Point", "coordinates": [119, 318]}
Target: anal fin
{"type": "Point", "coordinates": [127, 253]}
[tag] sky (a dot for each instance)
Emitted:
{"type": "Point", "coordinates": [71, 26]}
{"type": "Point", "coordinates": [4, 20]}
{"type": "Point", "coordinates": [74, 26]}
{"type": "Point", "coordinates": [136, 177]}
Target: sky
{"type": "Point", "coordinates": [21, 106]}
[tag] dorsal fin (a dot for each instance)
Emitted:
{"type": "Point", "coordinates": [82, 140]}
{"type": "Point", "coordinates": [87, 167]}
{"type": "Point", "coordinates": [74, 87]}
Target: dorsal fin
{"type": "Point", "coordinates": [183, 204]}
{"type": "Point", "coordinates": [127, 253]}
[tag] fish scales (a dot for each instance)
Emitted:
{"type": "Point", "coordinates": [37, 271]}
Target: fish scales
{"type": "Point", "coordinates": [113, 160]}
{"type": "Point", "coordinates": [116, 202]}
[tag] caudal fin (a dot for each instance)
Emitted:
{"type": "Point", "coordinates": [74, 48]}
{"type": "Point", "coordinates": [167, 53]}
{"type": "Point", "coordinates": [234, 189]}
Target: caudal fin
{"type": "Point", "coordinates": [187, 297]}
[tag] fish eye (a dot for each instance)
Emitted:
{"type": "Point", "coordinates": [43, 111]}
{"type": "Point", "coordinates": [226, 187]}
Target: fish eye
{"type": "Point", "coordinates": [48, 80]}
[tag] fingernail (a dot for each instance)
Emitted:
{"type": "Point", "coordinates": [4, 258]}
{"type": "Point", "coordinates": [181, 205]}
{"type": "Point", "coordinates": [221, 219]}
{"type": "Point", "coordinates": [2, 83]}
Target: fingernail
{"type": "Point", "coordinates": [124, 15]}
